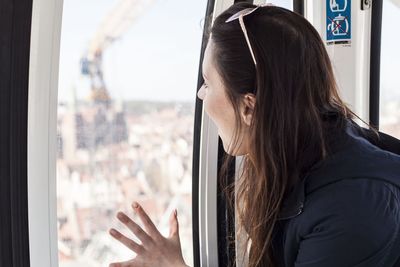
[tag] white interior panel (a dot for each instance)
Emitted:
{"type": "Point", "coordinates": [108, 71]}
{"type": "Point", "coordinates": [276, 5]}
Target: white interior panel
{"type": "Point", "coordinates": [351, 62]}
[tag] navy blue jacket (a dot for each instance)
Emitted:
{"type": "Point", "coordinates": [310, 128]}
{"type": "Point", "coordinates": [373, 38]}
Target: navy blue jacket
{"type": "Point", "coordinates": [346, 210]}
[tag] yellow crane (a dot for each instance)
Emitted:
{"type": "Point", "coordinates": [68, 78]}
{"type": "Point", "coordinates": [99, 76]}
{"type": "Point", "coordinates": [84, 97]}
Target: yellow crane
{"type": "Point", "coordinates": [115, 24]}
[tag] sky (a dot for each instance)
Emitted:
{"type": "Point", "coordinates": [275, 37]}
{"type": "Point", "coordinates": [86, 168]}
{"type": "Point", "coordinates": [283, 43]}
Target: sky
{"type": "Point", "coordinates": [390, 52]}
{"type": "Point", "coordinates": [156, 59]}
{"type": "Point", "coordinates": [158, 56]}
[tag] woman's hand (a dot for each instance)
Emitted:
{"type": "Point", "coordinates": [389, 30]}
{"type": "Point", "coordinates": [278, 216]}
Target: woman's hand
{"type": "Point", "coordinates": [155, 250]}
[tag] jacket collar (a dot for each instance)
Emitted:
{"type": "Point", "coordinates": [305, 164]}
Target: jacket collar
{"type": "Point", "coordinates": [336, 166]}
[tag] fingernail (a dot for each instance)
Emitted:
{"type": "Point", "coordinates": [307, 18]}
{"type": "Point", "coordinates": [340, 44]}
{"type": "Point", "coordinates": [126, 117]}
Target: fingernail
{"type": "Point", "coordinates": [135, 205]}
{"type": "Point", "coordinates": [113, 232]}
{"type": "Point", "coordinates": [121, 216]}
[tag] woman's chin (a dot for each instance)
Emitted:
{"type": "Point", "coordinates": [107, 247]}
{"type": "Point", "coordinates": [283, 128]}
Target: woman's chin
{"type": "Point", "coordinates": [231, 151]}
{"type": "Point", "coordinates": [228, 149]}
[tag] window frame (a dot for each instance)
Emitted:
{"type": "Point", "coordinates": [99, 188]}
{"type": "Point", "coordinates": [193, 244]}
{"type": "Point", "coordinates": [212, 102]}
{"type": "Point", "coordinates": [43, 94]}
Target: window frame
{"type": "Point", "coordinates": [42, 131]}
{"type": "Point", "coordinates": [42, 138]}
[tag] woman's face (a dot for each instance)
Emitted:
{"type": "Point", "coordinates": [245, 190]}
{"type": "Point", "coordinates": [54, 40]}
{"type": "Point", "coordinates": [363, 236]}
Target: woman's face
{"type": "Point", "coordinates": [217, 105]}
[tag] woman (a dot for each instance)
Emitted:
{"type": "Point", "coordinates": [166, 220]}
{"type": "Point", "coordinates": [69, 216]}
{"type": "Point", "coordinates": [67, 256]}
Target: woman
{"type": "Point", "coordinates": [316, 189]}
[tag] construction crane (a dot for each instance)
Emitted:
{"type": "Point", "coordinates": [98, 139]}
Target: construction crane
{"type": "Point", "coordinates": [115, 24]}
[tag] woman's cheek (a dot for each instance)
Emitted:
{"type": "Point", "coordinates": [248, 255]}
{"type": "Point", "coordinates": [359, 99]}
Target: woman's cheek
{"type": "Point", "coordinates": [214, 110]}
{"type": "Point", "coordinates": [208, 104]}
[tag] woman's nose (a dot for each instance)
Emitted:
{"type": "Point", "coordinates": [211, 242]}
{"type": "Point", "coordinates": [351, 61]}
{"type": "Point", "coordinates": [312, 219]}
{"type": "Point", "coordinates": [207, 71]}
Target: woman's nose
{"type": "Point", "coordinates": [201, 92]}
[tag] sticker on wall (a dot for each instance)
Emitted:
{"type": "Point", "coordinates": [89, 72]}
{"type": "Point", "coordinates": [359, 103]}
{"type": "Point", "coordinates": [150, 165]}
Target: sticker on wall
{"type": "Point", "coordinates": [338, 21]}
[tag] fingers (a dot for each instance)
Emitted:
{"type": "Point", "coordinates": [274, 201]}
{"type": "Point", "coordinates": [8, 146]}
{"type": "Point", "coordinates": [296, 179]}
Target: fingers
{"type": "Point", "coordinates": [147, 222]}
{"type": "Point", "coordinates": [119, 264]}
{"type": "Point", "coordinates": [136, 229]}
{"type": "Point", "coordinates": [132, 245]}
{"type": "Point", "coordinates": [173, 224]}
{"type": "Point", "coordinates": [129, 263]}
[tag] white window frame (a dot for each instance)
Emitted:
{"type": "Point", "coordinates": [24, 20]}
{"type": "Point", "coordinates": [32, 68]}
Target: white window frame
{"type": "Point", "coordinates": [208, 235]}
{"type": "Point", "coordinates": [42, 135]}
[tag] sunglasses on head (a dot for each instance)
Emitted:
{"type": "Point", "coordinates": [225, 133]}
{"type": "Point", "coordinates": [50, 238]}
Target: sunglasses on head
{"type": "Point", "coordinates": [239, 15]}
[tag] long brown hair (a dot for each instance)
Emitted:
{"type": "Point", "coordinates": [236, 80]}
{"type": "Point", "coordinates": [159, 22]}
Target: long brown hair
{"type": "Point", "coordinates": [295, 93]}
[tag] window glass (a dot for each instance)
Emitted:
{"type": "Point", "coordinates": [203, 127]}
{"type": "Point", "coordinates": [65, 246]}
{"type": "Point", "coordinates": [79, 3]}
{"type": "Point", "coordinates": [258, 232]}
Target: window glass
{"type": "Point", "coordinates": [127, 88]}
{"type": "Point", "coordinates": [288, 4]}
{"type": "Point", "coordinates": [390, 64]}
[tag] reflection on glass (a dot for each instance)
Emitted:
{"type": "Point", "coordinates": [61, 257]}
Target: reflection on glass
{"type": "Point", "coordinates": [288, 4]}
{"type": "Point", "coordinates": [128, 75]}
{"type": "Point", "coordinates": [390, 65]}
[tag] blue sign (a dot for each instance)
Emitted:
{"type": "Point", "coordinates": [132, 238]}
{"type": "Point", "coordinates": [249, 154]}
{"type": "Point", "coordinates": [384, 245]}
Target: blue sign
{"type": "Point", "coordinates": [338, 21]}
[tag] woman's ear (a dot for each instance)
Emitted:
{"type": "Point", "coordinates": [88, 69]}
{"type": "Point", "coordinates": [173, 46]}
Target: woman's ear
{"type": "Point", "coordinates": [247, 108]}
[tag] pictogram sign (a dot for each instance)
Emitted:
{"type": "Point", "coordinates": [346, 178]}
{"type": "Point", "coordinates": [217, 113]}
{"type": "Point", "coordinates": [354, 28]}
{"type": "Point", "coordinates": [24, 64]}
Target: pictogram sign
{"type": "Point", "coordinates": [338, 21]}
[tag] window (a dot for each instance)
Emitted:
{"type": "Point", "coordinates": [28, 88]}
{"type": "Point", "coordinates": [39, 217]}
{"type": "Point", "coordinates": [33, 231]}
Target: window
{"type": "Point", "coordinates": [390, 64]}
{"type": "Point", "coordinates": [288, 4]}
{"type": "Point", "coordinates": [127, 88]}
